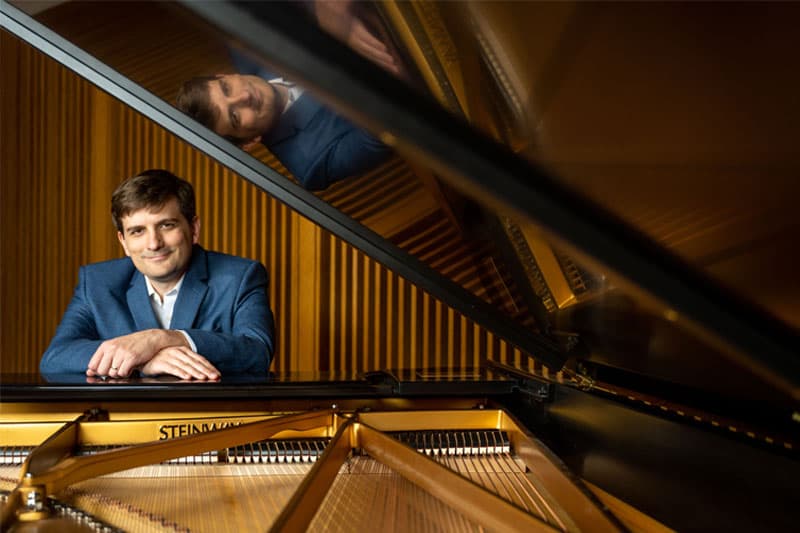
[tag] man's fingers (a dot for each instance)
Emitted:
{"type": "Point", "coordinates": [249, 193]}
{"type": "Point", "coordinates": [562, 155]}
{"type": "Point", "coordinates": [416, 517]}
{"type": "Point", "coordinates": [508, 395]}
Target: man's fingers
{"type": "Point", "coordinates": [106, 361]}
{"type": "Point", "coordinates": [166, 366]}
{"type": "Point", "coordinates": [105, 365]}
{"type": "Point", "coordinates": [195, 370]}
{"type": "Point", "coordinates": [361, 33]}
{"type": "Point", "coordinates": [111, 363]}
{"type": "Point", "coordinates": [94, 362]}
{"type": "Point", "coordinates": [121, 369]}
{"type": "Point", "coordinates": [182, 362]}
{"type": "Point", "coordinates": [196, 364]}
{"type": "Point", "coordinates": [371, 47]}
{"type": "Point", "coordinates": [381, 58]}
{"type": "Point", "coordinates": [120, 356]}
{"type": "Point", "coordinates": [202, 369]}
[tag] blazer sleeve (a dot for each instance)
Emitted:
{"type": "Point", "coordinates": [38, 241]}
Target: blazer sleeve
{"type": "Point", "coordinates": [351, 154]}
{"type": "Point", "coordinates": [76, 337]}
{"type": "Point", "coordinates": [249, 346]}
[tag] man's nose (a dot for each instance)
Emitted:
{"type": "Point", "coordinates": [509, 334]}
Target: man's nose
{"type": "Point", "coordinates": [240, 98]}
{"type": "Point", "coordinates": [154, 240]}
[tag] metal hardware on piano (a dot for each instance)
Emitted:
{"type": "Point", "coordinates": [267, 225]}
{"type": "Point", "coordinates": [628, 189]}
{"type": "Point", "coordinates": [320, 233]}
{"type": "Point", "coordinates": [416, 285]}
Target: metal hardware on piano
{"type": "Point", "coordinates": [470, 466]}
{"type": "Point", "coordinates": [619, 179]}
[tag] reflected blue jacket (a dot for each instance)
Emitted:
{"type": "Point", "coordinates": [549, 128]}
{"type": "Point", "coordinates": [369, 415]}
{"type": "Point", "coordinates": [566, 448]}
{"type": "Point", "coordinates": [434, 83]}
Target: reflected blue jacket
{"type": "Point", "coordinates": [315, 144]}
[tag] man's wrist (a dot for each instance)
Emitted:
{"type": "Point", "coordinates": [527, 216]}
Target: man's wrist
{"type": "Point", "coordinates": [171, 337]}
{"type": "Point", "coordinates": [188, 339]}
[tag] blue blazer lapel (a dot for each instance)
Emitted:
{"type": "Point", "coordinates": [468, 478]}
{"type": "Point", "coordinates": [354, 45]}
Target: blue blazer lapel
{"type": "Point", "coordinates": [193, 290]}
{"type": "Point", "coordinates": [139, 304]}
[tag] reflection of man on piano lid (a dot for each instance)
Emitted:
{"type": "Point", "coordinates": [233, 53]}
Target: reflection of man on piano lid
{"type": "Point", "coordinates": [170, 307]}
{"type": "Point", "coordinates": [316, 145]}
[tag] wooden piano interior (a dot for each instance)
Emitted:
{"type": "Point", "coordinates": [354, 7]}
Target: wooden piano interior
{"type": "Point", "coordinates": [353, 468]}
{"type": "Point", "coordinates": [657, 133]}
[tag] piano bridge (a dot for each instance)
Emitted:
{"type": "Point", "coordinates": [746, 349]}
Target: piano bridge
{"type": "Point", "coordinates": [592, 204]}
{"type": "Point", "coordinates": [462, 470]}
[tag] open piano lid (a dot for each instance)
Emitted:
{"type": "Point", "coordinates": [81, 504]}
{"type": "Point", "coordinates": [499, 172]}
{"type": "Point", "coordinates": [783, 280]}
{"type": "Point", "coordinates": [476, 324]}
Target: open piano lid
{"type": "Point", "coordinates": [746, 344]}
{"type": "Point", "coordinates": [681, 302]}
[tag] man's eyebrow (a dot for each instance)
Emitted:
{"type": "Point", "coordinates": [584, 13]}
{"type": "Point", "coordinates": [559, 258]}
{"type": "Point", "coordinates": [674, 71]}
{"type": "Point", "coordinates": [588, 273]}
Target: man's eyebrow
{"type": "Point", "coordinates": [174, 220]}
{"type": "Point", "coordinates": [215, 110]}
{"type": "Point", "coordinates": [231, 117]}
{"type": "Point", "coordinates": [131, 229]}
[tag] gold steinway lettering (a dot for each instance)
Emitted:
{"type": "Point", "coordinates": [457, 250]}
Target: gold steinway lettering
{"type": "Point", "coordinates": [171, 431]}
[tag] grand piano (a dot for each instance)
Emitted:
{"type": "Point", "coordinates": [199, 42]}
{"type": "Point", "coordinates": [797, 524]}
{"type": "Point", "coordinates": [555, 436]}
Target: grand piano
{"type": "Point", "coordinates": [566, 304]}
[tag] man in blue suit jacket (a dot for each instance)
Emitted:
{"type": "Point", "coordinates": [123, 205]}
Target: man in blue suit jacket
{"type": "Point", "coordinates": [170, 307]}
{"type": "Point", "coordinates": [315, 144]}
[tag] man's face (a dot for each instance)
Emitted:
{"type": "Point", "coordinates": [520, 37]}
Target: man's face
{"type": "Point", "coordinates": [159, 242]}
{"type": "Point", "coordinates": [246, 106]}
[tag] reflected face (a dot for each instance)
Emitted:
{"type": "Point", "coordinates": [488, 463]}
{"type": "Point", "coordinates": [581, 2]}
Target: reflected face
{"type": "Point", "coordinates": [246, 106]}
{"type": "Point", "coordinates": [159, 242]}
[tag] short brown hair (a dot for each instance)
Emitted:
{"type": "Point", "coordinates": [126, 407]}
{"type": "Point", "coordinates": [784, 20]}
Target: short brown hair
{"type": "Point", "coordinates": [194, 100]}
{"type": "Point", "coordinates": [152, 188]}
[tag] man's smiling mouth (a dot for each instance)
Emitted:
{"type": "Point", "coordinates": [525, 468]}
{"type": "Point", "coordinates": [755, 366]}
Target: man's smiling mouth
{"type": "Point", "coordinates": [157, 257]}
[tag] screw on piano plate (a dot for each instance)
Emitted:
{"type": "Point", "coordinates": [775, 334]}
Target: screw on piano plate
{"type": "Point", "coordinates": [34, 500]}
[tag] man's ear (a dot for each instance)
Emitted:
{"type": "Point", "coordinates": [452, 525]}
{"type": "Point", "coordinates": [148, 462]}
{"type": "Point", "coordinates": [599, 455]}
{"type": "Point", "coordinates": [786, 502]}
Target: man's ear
{"type": "Point", "coordinates": [249, 145]}
{"type": "Point", "coordinates": [121, 239]}
{"type": "Point", "coordinates": [195, 230]}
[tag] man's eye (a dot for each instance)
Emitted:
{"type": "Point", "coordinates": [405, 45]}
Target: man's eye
{"type": "Point", "coordinates": [226, 90]}
{"type": "Point", "coordinates": [135, 232]}
{"type": "Point", "coordinates": [168, 225]}
{"type": "Point", "coordinates": [235, 120]}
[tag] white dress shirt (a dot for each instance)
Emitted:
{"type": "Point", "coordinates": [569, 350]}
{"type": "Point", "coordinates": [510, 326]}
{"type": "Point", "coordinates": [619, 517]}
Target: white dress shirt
{"type": "Point", "coordinates": [164, 308]}
{"type": "Point", "coordinates": [294, 91]}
